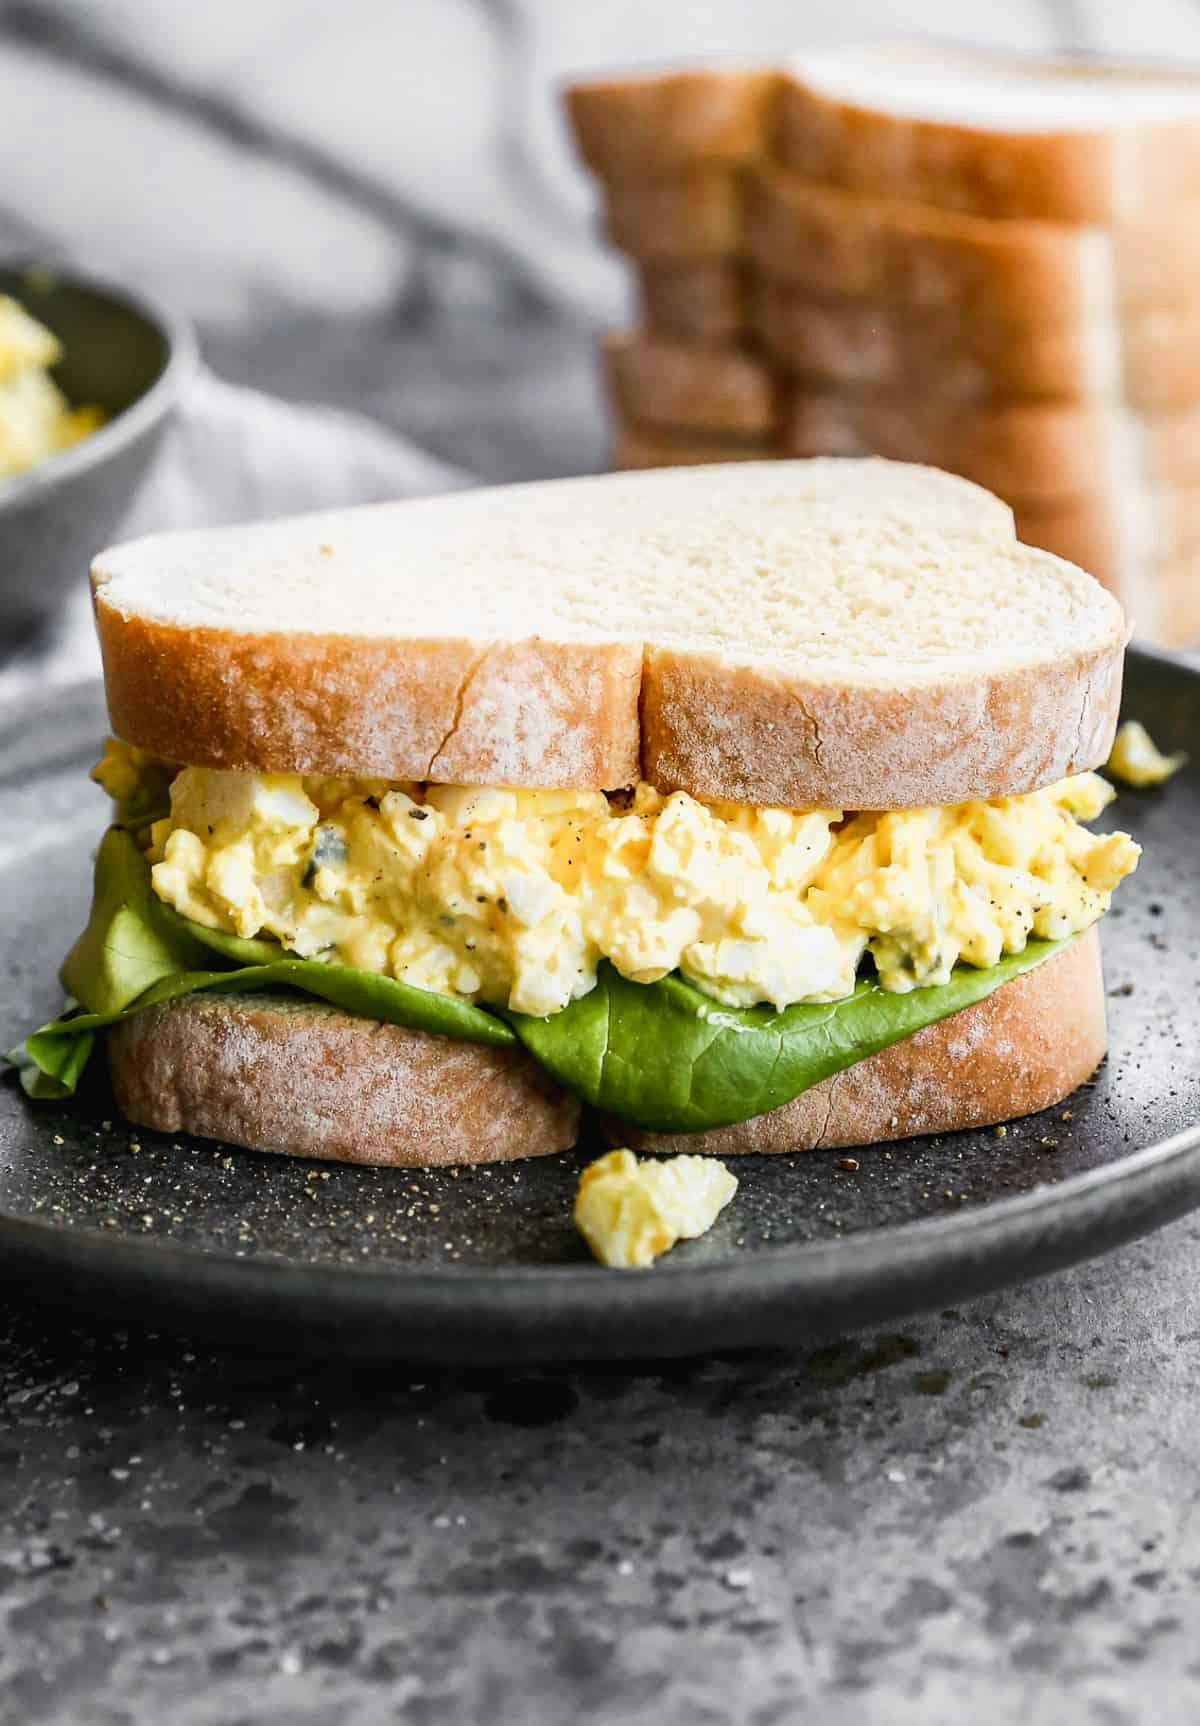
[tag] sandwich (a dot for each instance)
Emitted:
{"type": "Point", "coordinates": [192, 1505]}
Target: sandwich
{"type": "Point", "coordinates": [719, 810]}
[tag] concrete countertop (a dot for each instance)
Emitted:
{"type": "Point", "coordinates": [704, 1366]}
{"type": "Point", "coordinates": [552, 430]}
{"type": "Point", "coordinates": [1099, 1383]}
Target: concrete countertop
{"type": "Point", "coordinates": [989, 1514]}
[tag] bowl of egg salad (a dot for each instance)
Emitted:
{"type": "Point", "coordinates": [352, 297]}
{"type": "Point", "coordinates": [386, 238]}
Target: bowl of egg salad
{"type": "Point", "coordinates": [89, 377]}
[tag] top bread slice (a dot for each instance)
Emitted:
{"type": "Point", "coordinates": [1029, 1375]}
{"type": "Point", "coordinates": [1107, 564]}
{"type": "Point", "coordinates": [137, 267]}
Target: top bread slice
{"type": "Point", "coordinates": [648, 122]}
{"type": "Point", "coordinates": [846, 634]}
{"type": "Point", "coordinates": [966, 129]}
{"type": "Point", "coordinates": [993, 134]}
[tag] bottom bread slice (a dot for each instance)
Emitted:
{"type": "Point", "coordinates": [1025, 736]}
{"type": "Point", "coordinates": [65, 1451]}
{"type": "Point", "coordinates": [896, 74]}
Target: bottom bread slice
{"type": "Point", "coordinates": [1021, 1049]}
{"type": "Point", "coordinates": [294, 1075]}
{"type": "Point", "coordinates": [303, 1078]}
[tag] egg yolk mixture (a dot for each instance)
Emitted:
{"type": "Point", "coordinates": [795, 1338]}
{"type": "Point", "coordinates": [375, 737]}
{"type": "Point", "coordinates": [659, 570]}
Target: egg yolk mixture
{"type": "Point", "coordinates": [35, 418]}
{"type": "Point", "coordinates": [513, 898]}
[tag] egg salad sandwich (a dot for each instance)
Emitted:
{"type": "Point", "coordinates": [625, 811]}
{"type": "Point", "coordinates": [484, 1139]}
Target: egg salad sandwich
{"type": "Point", "coordinates": [742, 809]}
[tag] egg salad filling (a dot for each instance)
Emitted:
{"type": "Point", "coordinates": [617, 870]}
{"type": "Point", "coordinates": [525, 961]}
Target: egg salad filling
{"type": "Point", "coordinates": [630, 1210]}
{"type": "Point", "coordinates": [512, 898]}
{"type": "Point", "coordinates": [35, 417]}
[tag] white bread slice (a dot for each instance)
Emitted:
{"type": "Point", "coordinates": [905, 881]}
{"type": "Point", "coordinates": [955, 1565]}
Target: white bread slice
{"type": "Point", "coordinates": [294, 1075]}
{"type": "Point", "coordinates": [646, 122]}
{"type": "Point", "coordinates": [303, 1078]}
{"type": "Point", "coordinates": [832, 242]}
{"type": "Point", "coordinates": [635, 447]}
{"type": "Point", "coordinates": [1044, 454]}
{"type": "Point", "coordinates": [695, 215]}
{"type": "Point", "coordinates": [1003, 135]}
{"type": "Point", "coordinates": [723, 391]}
{"type": "Point", "coordinates": [1019, 449]}
{"type": "Point", "coordinates": [856, 635]}
{"type": "Point", "coordinates": [701, 302]}
{"type": "Point", "coordinates": [1145, 550]}
{"type": "Point", "coordinates": [1023, 1048]}
{"type": "Point", "coordinates": [1149, 360]}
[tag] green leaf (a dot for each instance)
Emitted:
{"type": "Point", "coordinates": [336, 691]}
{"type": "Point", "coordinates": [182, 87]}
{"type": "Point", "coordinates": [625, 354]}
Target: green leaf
{"type": "Point", "coordinates": [127, 946]}
{"type": "Point", "coordinates": [51, 1068]}
{"type": "Point", "coordinates": [137, 952]}
{"type": "Point", "coordinates": [366, 993]}
{"type": "Point", "coordinates": [668, 1057]}
{"type": "Point", "coordinates": [239, 949]}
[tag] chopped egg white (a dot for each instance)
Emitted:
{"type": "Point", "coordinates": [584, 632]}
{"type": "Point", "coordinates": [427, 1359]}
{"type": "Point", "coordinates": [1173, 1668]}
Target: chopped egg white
{"type": "Point", "coordinates": [630, 1211]}
{"type": "Point", "coordinates": [513, 898]}
{"type": "Point", "coordinates": [1137, 759]}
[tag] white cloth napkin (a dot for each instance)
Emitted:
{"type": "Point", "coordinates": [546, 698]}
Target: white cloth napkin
{"type": "Point", "coordinates": [234, 454]}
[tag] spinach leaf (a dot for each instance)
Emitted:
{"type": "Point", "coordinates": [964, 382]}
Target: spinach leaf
{"type": "Point", "coordinates": [51, 1051]}
{"type": "Point", "coordinates": [137, 952]}
{"type": "Point", "coordinates": [50, 1071]}
{"type": "Point", "coordinates": [126, 946]}
{"type": "Point", "coordinates": [668, 1057]}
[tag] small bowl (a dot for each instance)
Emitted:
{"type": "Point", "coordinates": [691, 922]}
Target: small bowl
{"type": "Point", "coordinates": [132, 360]}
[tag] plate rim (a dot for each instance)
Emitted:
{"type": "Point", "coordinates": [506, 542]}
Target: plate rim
{"type": "Point", "coordinates": [898, 1241]}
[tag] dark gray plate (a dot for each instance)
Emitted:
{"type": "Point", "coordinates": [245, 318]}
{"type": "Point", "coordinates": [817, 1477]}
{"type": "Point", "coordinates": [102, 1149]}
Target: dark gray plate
{"type": "Point", "coordinates": [483, 1263]}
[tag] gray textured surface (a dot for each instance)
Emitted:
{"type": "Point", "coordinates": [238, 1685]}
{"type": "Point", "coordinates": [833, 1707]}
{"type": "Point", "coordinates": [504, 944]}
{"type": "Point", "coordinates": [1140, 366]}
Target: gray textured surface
{"type": "Point", "coordinates": [990, 1516]}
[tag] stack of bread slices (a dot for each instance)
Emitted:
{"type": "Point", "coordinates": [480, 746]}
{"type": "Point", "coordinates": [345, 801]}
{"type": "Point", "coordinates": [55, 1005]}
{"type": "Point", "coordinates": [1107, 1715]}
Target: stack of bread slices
{"type": "Point", "coordinates": [676, 155]}
{"type": "Point", "coordinates": [982, 262]}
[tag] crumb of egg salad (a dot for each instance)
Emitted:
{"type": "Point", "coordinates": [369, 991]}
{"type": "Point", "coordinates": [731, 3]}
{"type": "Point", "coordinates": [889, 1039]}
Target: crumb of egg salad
{"type": "Point", "coordinates": [630, 1211]}
{"type": "Point", "coordinates": [35, 418]}
{"type": "Point", "coordinates": [514, 897]}
{"type": "Point", "coordinates": [1137, 759]}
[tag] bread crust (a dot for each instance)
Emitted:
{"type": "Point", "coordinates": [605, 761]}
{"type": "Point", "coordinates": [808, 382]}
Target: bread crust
{"type": "Point", "coordinates": [514, 713]}
{"type": "Point", "coordinates": [1021, 450]}
{"type": "Point", "coordinates": [695, 215]}
{"type": "Point", "coordinates": [720, 730]}
{"type": "Point", "coordinates": [721, 391]}
{"type": "Point", "coordinates": [833, 242]}
{"type": "Point", "coordinates": [1023, 1048]}
{"type": "Point", "coordinates": [1149, 362]}
{"type": "Point", "coordinates": [1065, 176]}
{"type": "Point", "coordinates": [638, 447]}
{"type": "Point", "coordinates": [633, 125]}
{"type": "Point", "coordinates": [703, 302]}
{"type": "Point", "coordinates": [308, 1080]}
